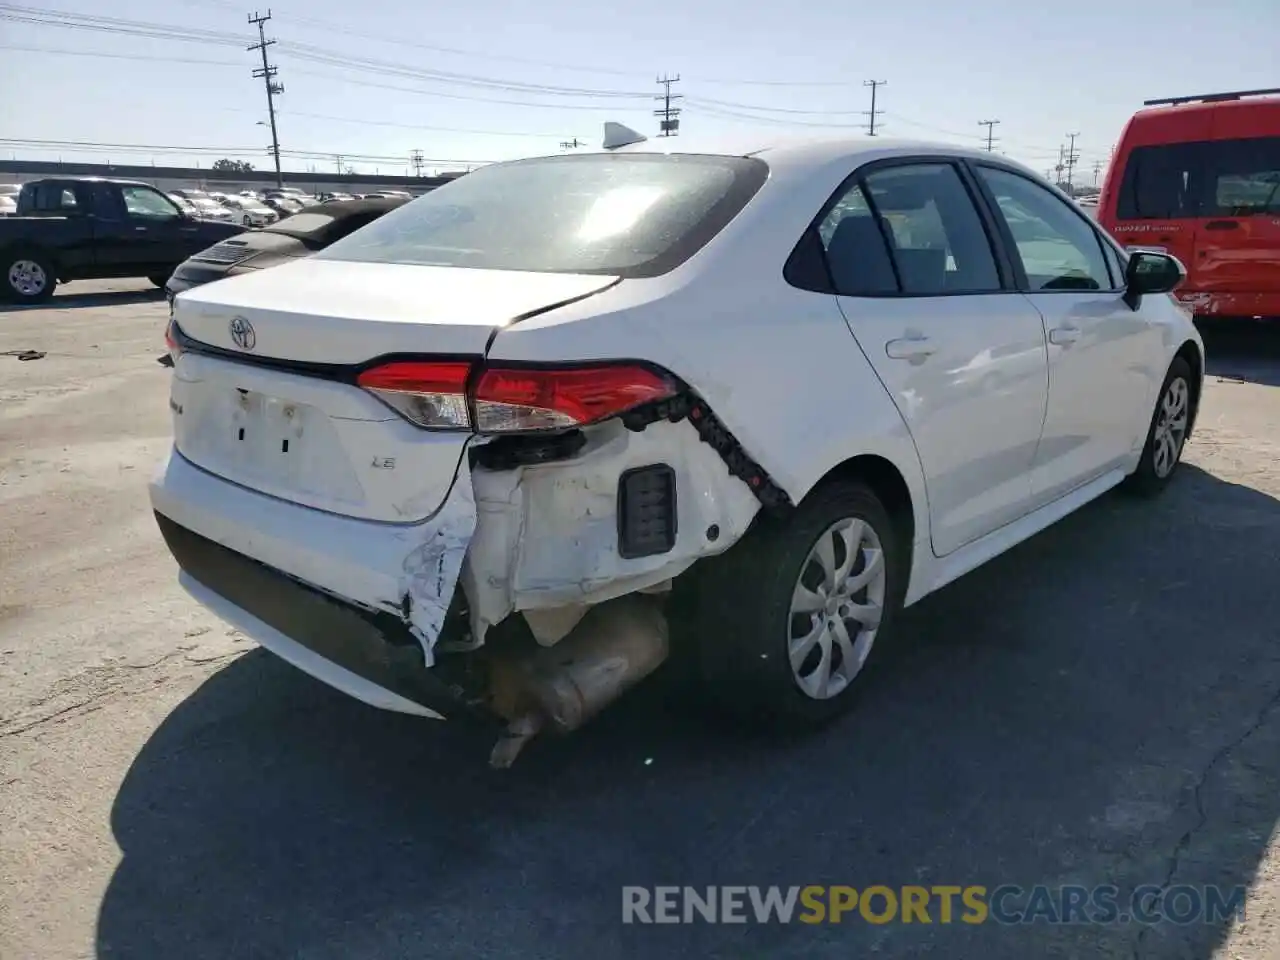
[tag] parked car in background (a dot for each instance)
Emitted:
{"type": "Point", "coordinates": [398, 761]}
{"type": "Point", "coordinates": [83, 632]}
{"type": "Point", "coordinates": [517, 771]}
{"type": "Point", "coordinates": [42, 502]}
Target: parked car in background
{"type": "Point", "coordinates": [293, 237]}
{"type": "Point", "coordinates": [183, 204]}
{"type": "Point", "coordinates": [283, 204]}
{"type": "Point", "coordinates": [1199, 177]}
{"type": "Point", "coordinates": [335, 197]}
{"type": "Point", "coordinates": [250, 212]}
{"type": "Point", "coordinates": [9, 198]}
{"type": "Point", "coordinates": [206, 207]}
{"type": "Point", "coordinates": [91, 228]}
{"type": "Point", "coordinates": [782, 390]}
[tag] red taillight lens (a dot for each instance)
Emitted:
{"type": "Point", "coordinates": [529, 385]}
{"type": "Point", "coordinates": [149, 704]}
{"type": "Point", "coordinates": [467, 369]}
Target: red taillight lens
{"type": "Point", "coordinates": [430, 394]}
{"type": "Point", "coordinates": [171, 340]}
{"type": "Point", "coordinates": [513, 399]}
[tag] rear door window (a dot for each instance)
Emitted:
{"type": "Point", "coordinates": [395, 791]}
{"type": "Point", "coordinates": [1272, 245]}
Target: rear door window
{"type": "Point", "coordinates": [937, 240]}
{"type": "Point", "coordinates": [1161, 182]}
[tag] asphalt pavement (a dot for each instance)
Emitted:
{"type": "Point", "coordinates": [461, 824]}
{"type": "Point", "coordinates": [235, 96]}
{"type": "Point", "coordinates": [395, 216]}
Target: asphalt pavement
{"type": "Point", "coordinates": [1099, 706]}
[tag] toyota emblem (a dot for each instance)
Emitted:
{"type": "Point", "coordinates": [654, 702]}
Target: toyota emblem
{"type": "Point", "coordinates": [242, 334]}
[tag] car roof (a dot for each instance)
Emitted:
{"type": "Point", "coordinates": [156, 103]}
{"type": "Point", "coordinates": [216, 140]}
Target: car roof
{"type": "Point", "coordinates": [800, 151]}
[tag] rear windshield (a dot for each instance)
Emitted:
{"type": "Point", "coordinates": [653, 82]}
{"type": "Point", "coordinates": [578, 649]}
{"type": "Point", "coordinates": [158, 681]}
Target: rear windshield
{"type": "Point", "coordinates": [1220, 178]}
{"type": "Point", "coordinates": [622, 214]}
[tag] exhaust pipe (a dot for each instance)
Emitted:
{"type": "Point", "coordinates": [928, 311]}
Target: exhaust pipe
{"type": "Point", "coordinates": [616, 645]}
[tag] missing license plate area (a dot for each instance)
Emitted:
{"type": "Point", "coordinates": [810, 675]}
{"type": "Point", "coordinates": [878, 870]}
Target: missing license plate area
{"type": "Point", "coordinates": [646, 511]}
{"type": "Point", "coordinates": [265, 426]}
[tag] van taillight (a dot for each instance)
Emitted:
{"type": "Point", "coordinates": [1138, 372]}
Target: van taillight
{"type": "Point", "coordinates": [513, 399]}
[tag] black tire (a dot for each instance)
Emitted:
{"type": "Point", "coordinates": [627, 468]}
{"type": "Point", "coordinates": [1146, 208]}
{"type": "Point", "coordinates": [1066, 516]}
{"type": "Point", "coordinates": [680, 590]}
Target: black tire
{"type": "Point", "coordinates": [1148, 480]}
{"type": "Point", "coordinates": [739, 624]}
{"type": "Point", "coordinates": [160, 279]}
{"type": "Point", "coordinates": [12, 262]}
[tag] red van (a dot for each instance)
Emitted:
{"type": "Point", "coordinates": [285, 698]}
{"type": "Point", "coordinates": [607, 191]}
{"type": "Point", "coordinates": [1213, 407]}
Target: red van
{"type": "Point", "coordinates": [1200, 178]}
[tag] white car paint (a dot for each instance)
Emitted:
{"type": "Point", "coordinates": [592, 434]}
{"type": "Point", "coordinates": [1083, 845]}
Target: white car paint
{"type": "Point", "coordinates": [997, 429]}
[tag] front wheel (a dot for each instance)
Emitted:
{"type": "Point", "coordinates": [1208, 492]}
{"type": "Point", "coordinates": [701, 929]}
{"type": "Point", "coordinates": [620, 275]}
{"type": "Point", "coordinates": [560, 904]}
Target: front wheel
{"type": "Point", "coordinates": [159, 279]}
{"type": "Point", "coordinates": [785, 621]}
{"type": "Point", "coordinates": [28, 277]}
{"type": "Point", "coordinates": [1167, 435]}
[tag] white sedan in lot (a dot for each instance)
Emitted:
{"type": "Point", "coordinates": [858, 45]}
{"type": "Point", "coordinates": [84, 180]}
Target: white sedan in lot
{"type": "Point", "coordinates": [776, 392]}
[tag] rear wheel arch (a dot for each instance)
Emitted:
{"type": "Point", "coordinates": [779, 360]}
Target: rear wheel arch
{"type": "Point", "coordinates": [887, 482]}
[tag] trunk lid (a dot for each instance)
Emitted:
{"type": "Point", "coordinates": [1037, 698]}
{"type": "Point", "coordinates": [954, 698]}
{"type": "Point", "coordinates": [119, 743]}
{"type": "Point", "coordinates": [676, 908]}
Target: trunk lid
{"type": "Point", "coordinates": [309, 435]}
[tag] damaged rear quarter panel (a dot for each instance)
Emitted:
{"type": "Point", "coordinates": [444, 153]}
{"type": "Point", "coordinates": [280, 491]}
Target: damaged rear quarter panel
{"type": "Point", "coordinates": [547, 535]}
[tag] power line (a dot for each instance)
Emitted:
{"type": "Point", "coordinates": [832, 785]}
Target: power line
{"type": "Point", "coordinates": [669, 116]}
{"type": "Point", "coordinates": [871, 114]}
{"type": "Point", "coordinates": [268, 77]}
{"type": "Point", "coordinates": [990, 125]}
{"type": "Point", "coordinates": [331, 26]}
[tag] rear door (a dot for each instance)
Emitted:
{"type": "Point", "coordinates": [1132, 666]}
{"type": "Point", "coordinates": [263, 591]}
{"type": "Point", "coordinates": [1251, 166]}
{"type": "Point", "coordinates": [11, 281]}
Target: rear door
{"type": "Point", "coordinates": [962, 356]}
{"type": "Point", "coordinates": [1237, 258]}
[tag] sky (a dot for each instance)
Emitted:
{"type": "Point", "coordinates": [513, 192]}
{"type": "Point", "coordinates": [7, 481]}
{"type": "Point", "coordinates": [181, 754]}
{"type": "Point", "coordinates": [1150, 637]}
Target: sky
{"type": "Point", "coordinates": [484, 80]}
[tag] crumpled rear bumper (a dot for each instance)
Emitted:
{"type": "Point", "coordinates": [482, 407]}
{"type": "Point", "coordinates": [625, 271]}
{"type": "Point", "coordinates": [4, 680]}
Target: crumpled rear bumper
{"type": "Point", "coordinates": [372, 657]}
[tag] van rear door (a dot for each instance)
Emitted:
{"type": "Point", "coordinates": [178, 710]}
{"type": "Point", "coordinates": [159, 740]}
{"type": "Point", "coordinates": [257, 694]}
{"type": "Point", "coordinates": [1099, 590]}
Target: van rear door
{"type": "Point", "coordinates": [1237, 255]}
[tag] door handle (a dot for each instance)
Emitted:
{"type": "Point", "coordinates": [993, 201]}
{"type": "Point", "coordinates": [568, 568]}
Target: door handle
{"type": "Point", "coordinates": [1222, 225]}
{"type": "Point", "coordinates": [910, 348]}
{"type": "Point", "coordinates": [1064, 336]}
{"type": "Point", "coordinates": [140, 229]}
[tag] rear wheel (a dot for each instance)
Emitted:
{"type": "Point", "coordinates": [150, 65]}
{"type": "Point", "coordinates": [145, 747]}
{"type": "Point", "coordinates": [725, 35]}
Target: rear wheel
{"type": "Point", "coordinates": [1167, 435]}
{"type": "Point", "coordinates": [786, 621]}
{"type": "Point", "coordinates": [160, 279]}
{"type": "Point", "coordinates": [28, 277]}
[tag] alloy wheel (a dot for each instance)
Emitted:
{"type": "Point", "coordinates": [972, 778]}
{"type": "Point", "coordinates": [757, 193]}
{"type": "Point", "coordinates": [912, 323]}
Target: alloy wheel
{"type": "Point", "coordinates": [1171, 427]}
{"type": "Point", "coordinates": [836, 608]}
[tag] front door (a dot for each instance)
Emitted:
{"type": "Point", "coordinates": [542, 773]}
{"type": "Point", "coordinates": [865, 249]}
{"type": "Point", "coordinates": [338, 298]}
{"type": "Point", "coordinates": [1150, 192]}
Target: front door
{"type": "Point", "coordinates": [156, 234]}
{"type": "Point", "coordinates": [1101, 352]}
{"type": "Point", "coordinates": [962, 356]}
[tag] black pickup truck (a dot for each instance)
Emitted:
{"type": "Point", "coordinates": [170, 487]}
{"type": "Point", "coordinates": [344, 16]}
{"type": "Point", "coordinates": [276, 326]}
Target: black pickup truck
{"type": "Point", "coordinates": [80, 228]}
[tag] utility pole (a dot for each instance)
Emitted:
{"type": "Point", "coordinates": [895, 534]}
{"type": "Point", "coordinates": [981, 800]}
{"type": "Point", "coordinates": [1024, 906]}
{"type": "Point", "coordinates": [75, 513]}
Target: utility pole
{"type": "Point", "coordinates": [1072, 159]}
{"type": "Point", "coordinates": [990, 125]}
{"type": "Point", "coordinates": [268, 74]}
{"type": "Point", "coordinates": [571, 144]}
{"type": "Point", "coordinates": [669, 122]}
{"type": "Point", "coordinates": [337, 159]}
{"type": "Point", "coordinates": [415, 158]}
{"type": "Point", "coordinates": [1097, 169]}
{"type": "Point", "coordinates": [1061, 165]}
{"type": "Point", "coordinates": [873, 112]}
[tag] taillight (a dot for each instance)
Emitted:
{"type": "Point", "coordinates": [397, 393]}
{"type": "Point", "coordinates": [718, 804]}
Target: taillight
{"type": "Point", "coordinates": [505, 399]}
{"type": "Point", "coordinates": [430, 394]}
{"type": "Point", "coordinates": [513, 399]}
{"type": "Point", "coordinates": [171, 340]}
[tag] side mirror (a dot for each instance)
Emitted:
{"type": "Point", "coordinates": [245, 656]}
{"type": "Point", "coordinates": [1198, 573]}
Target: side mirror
{"type": "Point", "coordinates": [1151, 272]}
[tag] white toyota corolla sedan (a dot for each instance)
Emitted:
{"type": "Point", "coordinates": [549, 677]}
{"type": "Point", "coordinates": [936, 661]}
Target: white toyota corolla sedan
{"type": "Point", "coordinates": [504, 450]}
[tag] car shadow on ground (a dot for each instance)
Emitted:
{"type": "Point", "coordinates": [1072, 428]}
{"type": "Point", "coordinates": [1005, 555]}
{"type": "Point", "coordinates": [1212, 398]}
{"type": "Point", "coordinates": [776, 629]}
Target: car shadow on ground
{"type": "Point", "coordinates": [1243, 350]}
{"type": "Point", "coordinates": [1087, 709]}
{"type": "Point", "coordinates": [69, 299]}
